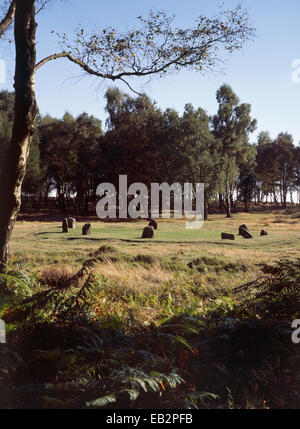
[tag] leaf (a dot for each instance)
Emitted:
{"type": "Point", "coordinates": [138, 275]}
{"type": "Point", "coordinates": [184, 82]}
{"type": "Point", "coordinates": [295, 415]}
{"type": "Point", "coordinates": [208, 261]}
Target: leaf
{"type": "Point", "coordinates": [133, 394]}
{"type": "Point", "coordinates": [101, 402]}
{"type": "Point", "coordinates": [181, 340]}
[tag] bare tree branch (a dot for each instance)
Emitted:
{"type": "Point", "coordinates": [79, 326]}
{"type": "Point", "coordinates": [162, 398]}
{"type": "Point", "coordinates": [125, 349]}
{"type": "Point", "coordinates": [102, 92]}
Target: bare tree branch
{"type": "Point", "coordinates": [41, 5]}
{"type": "Point", "coordinates": [156, 48]}
{"type": "Point", "coordinates": [74, 60]}
{"type": "Point", "coordinates": [9, 16]}
{"type": "Point", "coordinates": [130, 87]}
{"type": "Point", "coordinates": [7, 20]}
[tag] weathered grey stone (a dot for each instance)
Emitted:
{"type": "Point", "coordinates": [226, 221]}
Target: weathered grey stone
{"type": "Point", "coordinates": [263, 232]}
{"type": "Point", "coordinates": [87, 229]}
{"type": "Point", "coordinates": [71, 222]}
{"type": "Point", "coordinates": [65, 225]}
{"type": "Point", "coordinates": [148, 232]}
{"type": "Point", "coordinates": [245, 233]}
{"type": "Point", "coordinates": [226, 236]}
{"type": "Point", "coordinates": [153, 223]}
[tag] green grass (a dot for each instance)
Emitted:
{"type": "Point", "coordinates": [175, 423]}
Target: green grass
{"type": "Point", "coordinates": [39, 243]}
{"type": "Point", "coordinates": [139, 275]}
{"type": "Point", "coordinates": [158, 293]}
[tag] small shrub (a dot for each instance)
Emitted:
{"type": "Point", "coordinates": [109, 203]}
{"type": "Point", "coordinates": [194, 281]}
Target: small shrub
{"type": "Point", "coordinates": [144, 259]}
{"type": "Point", "coordinates": [55, 276]}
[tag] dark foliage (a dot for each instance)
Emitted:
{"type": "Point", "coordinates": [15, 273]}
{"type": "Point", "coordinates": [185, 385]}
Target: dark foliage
{"type": "Point", "coordinates": [244, 358]}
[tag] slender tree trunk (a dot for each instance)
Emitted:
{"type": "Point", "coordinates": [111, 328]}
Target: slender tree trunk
{"type": "Point", "coordinates": [227, 202]}
{"type": "Point", "coordinates": [86, 203]}
{"type": "Point", "coordinates": [221, 202]}
{"type": "Point", "coordinates": [284, 197]}
{"type": "Point", "coordinates": [275, 197]}
{"type": "Point", "coordinates": [46, 196]}
{"type": "Point", "coordinates": [228, 207]}
{"type": "Point", "coordinates": [23, 127]}
{"type": "Point", "coordinates": [231, 198]}
{"type": "Point", "coordinates": [205, 205]}
{"type": "Point", "coordinates": [281, 195]}
{"type": "Point", "coordinates": [62, 197]}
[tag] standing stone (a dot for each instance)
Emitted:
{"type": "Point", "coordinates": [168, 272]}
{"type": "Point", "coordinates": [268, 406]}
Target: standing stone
{"type": "Point", "coordinates": [226, 236]}
{"type": "Point", "coordinates": [148, 232]}
{"type": "Point", "coordinates": [65, 225]}
{"type": "Point", "coordinates": [153, 223]}
{"type": "Point", "coordinates": [243, 227]}
{"type": "Point", "coordinates": [71, 222]}
{"type": "Point", "coordinates": [263, 232]}
{"type": "Point", "coordinates": [245, 233]}
{"type": "Point", "coordinates": [87, 229]}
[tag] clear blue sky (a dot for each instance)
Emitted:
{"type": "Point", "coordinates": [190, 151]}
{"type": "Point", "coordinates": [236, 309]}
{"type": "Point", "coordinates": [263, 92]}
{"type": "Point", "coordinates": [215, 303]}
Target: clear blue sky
{"type": "Point", "coordinates": [260, 74]}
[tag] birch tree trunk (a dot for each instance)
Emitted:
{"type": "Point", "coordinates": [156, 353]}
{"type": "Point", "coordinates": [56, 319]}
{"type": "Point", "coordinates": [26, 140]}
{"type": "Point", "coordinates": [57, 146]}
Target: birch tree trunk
{"type": "Point", "coordinates": [24, 123]}
{"type": "Point", "coordinates": [227, 201]}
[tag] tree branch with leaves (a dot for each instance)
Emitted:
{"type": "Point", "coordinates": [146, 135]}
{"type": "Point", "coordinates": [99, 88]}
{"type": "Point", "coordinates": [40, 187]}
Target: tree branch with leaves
{"type": "Point", "coordinates": [155, 47]}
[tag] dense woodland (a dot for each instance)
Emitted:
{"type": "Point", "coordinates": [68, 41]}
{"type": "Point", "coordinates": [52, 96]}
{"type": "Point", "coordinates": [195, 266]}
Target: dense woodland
{"type": "Point", "coordinates": [73, 155]}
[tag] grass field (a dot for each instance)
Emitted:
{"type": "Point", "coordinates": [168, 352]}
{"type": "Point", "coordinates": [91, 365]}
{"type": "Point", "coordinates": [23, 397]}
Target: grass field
{"type": "Point", "coordinates": [177, 261]}
{"type": "Point", "coordinates": [43, 242]}
{"type": "Point", "coordinates": [148, 315]}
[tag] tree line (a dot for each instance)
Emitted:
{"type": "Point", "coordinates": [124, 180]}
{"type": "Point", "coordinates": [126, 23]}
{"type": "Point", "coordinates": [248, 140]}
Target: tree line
{"type": "Point", "coordinates": [71, 156]}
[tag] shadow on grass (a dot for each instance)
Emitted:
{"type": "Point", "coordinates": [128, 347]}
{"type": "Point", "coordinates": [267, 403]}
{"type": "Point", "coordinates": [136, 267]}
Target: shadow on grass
{"type": "Point", "coordinates": [142, 240]}
{"type": "Point", "coordinates": [47, 232]}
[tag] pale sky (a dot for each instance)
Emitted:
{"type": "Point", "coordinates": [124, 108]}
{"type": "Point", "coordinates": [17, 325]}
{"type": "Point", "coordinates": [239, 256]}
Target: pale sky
{"type": "Point", "coordinates": [260, 74]}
